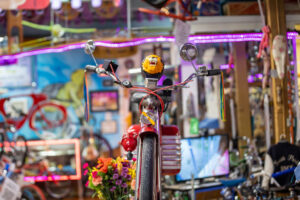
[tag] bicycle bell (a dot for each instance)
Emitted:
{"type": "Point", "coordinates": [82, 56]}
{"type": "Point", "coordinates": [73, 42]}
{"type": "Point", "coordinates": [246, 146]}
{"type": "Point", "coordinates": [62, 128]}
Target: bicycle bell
{"type": "Point", "coordinates": [188, 52]}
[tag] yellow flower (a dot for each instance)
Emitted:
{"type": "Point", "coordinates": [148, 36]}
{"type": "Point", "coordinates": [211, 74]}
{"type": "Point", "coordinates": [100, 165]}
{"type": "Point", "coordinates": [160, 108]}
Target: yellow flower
{"type": "Point", "coordinates": [100, 195]}
{"type": "Point", "coordinates": [119, 164]}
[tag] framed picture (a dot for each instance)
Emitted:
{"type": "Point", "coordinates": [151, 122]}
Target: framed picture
{"type": "Point", "coordinates": [104, 100]}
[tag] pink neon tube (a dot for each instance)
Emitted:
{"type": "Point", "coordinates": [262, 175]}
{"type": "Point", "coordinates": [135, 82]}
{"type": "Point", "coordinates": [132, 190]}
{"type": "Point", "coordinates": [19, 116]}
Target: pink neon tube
{"type": "Point", "coordinates": [216, 38]}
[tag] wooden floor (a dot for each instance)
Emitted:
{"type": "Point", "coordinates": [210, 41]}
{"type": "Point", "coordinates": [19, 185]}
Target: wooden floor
{"type": "Point", "coordinates": [81, 199]}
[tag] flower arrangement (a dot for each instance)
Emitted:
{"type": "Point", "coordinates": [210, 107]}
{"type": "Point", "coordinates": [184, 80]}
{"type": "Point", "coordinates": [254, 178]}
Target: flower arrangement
{"type": "Point", "coordinates": [111, 179]}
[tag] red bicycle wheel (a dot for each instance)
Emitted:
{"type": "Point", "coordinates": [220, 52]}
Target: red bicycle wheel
{"type": "Point", "coordinates": [48, 120]}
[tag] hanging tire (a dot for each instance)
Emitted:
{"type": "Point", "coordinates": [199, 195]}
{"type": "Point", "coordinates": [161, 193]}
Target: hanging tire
{"type": "Point", "coordinates": [2, 141]}
{"type": "Point", "coordinates": [148, 168]}
{"type": "Point", "coordinates": [48, 120]}
{"type": "Point", "coordinates": [32, 192]}
{"type": "Point", "coordinates": [20, 151]}
{"type": "Point", "coordinates": [58, 189]}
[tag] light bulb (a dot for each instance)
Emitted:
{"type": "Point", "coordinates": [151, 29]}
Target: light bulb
{"type": "Point", "coordinates": [118, 3]}
{"type": "Point", "coordinates": [56, 4]}
{"type": "Point", "coordinates": [75, 4]}
{"type": "Point", "coordinates": [96, 3]}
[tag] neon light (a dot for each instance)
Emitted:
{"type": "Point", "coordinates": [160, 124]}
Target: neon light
{"type": "Point", "coordinates": [225, 66]}
{"type": "Point", "coordinates": [139, 41]}
{"type": "Point", "coordinates": [57, 177]}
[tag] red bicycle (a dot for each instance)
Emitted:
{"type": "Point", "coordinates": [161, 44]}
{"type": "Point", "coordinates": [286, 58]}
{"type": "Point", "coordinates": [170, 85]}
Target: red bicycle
{"type": "Point", "coordinates": [46, 118]}
{"type": "Point", "coordinates": [158, 146]}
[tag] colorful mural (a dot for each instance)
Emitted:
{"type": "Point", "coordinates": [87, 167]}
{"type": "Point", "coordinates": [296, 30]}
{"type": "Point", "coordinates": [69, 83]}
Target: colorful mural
{"type": "Point", "coordinates": [61, 77]}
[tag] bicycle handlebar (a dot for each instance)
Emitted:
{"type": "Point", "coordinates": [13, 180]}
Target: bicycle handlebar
{"type": "Point", "coordinates": [201, 72]}
{"type": "Point", "coordinates": [213, 72]}
{"type": "Point", "coordinates": [274, 175]}
{"type": "Point", "coordinates": [283, 172]}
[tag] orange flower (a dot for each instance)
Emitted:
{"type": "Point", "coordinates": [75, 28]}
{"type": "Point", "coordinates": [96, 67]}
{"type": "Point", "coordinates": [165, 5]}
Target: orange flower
{"type": "Point", "coordinates": [104, 169]}
{"type": "Point", "coordinates": [103, 164]}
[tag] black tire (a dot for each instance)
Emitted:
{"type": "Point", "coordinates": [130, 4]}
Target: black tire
{"type": "Point", "coordinates": [103, 145]}
{"type": "Point", "coordinates": [20, 151]}
{"type": "Point", "coordinates": [100, 143]}
{"type": "Point", "coordinates": [2, 140]}
{"type": "Point", "coordinates": [147, 167]}
{"type": "Point", "coordinates": [58, 189]}
{"type": "Point", "coordinates": [32, 192]}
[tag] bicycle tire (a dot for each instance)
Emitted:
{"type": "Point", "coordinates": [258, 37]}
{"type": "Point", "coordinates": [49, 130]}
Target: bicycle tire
{"type": "Point", "coordinates": [58, 189]}
{"type": "Point", "coordinates": [103, 146]}
{"type": "Point", "coordinates": [2, 141]}
{"type": "Point", "coordinates": [32, 192]}
{"type": "Point", "coordinates": [99, 143]}
{"type": "Point", "coordinates": [147, 170]}
{"type": "Point", "coordinates": [48, 120]}
{"type": "Point", "coordinates": [20, 151]}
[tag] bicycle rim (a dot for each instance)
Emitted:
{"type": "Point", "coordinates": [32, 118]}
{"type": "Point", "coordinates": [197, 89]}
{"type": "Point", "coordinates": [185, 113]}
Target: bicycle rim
{"type": "Point", "coordinates": [32, 192]}
{"type": "Point", "coordinates": [48, 121]}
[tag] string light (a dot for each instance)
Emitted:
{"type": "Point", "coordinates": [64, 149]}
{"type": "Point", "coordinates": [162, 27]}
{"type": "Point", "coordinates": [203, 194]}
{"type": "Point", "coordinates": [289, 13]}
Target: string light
{"type": "Point", "coordinates": [56, 4]}
{"type": "Point", "coordinates": [75, 4]}
{"type": "Point", "coordinates": [118, 3]}
{"type": "Point", "coordinates": [96, 3]}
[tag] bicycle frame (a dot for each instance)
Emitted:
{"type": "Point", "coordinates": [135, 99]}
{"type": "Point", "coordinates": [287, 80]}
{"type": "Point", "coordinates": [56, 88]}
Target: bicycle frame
{"type": "Point", "coordinates": [37, 99]}
{"type": "Point", "coordinates": [167, 139]}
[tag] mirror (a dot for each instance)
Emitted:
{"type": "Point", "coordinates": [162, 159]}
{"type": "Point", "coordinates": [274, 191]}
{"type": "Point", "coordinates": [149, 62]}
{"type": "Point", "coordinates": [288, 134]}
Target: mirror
{"type": "Point", "coordinates": [188, 52]}
{"type": "Point", "coordinates": [89, 47]}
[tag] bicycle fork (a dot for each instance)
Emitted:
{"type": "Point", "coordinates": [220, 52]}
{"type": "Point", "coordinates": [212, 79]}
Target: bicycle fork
{"type": "Point", "coordinates": [166, 155]}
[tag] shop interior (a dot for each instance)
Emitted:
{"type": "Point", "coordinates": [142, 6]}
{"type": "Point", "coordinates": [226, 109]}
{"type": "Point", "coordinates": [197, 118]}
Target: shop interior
{"type": "Point", "coordinates": [149, 99]}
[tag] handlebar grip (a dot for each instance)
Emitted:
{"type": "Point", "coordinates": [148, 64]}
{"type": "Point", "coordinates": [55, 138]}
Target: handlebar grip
{"type": "Point", "coordinates": [213, 72]}
{"type": "Point", "coordinates": [283, 172]}
{"type": "Point", "coordinates": [91, 68]}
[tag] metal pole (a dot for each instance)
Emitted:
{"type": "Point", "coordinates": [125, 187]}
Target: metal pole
{"type": "Point", "coordinates": [128, 18]}
{"type": "Point", "coordinates": [297, 137]}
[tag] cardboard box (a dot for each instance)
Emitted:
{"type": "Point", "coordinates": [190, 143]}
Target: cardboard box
{"type": "Point", "coordinates": [208, 8]}
{"type": "Point", "coordinates": [241, 8]}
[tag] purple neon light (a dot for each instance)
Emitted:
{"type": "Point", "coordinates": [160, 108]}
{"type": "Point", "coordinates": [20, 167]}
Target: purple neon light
{"type": "Point", "coordinates": [252, 78]}
{"type": "Point", "coordinates": [194, 39]}
{"type": "Point", "coordinates": [226, 66]}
